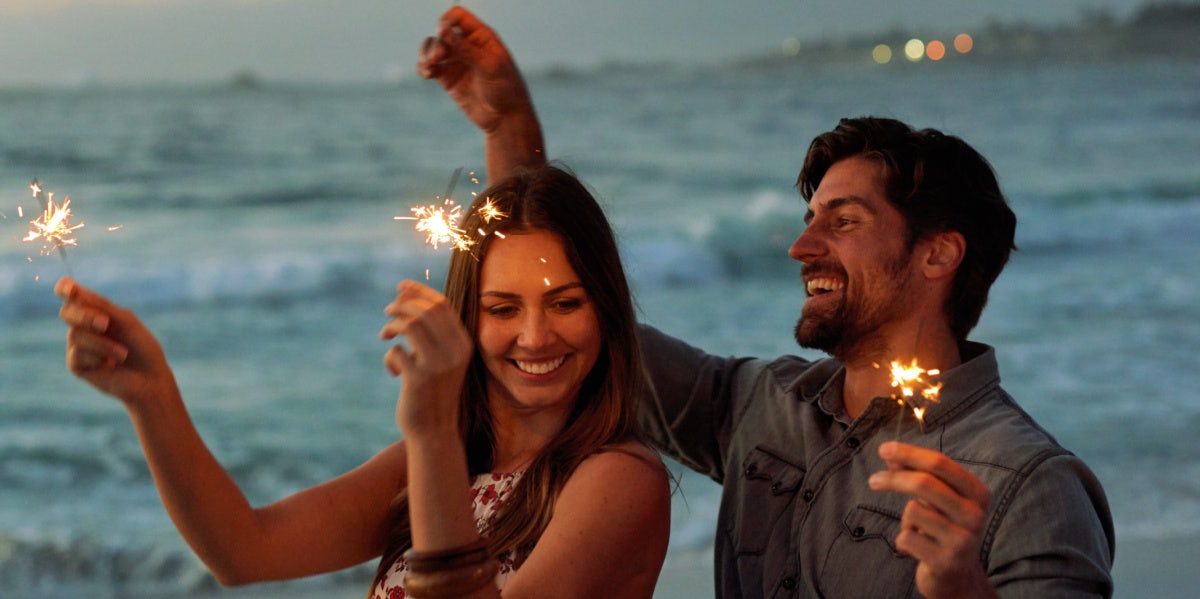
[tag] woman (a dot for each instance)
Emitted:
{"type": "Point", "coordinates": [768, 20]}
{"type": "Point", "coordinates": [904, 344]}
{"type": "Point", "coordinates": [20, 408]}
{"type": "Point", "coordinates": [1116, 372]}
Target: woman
{"type": "Point", "coordinates": [519, 383]}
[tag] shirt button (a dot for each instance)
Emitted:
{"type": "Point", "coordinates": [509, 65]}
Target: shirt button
{"type": "Point", "coordinates": [808, 495]}
{"type": "Point", "coordinates": [789, 583]}
{"type": "Point", "coordinates": [852, 443]}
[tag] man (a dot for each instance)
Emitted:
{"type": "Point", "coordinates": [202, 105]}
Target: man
{"type": "Point", "coordinates": [823, 494]}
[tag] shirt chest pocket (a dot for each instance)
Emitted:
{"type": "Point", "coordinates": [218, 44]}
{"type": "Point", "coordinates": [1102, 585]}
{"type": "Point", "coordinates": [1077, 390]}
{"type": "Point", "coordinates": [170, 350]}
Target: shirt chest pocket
{"type": "Point", "coordinates": [768, 487]}
{"type": "Point", "coordinates": [867, 539]}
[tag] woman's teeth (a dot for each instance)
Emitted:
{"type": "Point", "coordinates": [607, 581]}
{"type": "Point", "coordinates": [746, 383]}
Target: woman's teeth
{"type": "Point", "coordinates": [540, 367]}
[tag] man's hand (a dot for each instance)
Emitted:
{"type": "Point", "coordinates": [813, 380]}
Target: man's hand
{"type": "Point", "coordinates": [477, 71]}
{"type": "Point", "coordinates": [942, 525]}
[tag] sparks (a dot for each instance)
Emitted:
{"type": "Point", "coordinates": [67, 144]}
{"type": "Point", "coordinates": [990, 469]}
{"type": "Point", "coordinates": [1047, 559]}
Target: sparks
{"type": "Point", "coordinates": [910, 382]}
{"type": "Point", "coordinates": [489, 212]}
{"type": "Point", "coordinates": [54, 225]}
{"type": "Point", "coordinates": [440, 223]}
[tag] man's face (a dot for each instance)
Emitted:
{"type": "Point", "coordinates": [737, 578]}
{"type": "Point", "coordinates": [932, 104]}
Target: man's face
{"type": "Point", "coordinates": [856, 263]}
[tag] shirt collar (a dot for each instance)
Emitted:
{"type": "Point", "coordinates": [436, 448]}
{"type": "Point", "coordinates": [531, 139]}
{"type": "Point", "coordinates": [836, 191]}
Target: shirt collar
{"type": "Point", "coordinates": [821, 384]}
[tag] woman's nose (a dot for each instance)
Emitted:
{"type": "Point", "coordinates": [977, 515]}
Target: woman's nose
{"type": "Point", "coordinates": [536, 331]}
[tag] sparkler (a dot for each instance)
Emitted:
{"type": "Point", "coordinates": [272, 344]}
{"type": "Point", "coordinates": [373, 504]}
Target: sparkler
{"type": "Point", "coordinates": [440, 222]}
{"type": "Point", "coordinates": [53, 226]}
{"type": "Point", "coordinates": [914, 391]}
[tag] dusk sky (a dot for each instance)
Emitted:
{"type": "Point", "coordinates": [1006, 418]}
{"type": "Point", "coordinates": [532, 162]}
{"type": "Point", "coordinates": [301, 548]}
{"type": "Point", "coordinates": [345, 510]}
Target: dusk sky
{"type": "Point", "coordinates": [114, 41]}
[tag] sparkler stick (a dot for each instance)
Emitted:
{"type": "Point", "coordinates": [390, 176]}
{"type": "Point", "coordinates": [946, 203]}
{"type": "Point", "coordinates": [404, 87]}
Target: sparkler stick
{"type": "Point", "coordinates": [453, 181]}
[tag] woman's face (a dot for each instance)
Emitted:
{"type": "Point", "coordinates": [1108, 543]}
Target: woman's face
{"type": "Point", "coordinates": [538, 332]}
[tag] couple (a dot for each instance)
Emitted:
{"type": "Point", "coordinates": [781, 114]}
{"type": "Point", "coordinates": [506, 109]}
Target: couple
{"type": "Point", "coordinates": [520, 383]}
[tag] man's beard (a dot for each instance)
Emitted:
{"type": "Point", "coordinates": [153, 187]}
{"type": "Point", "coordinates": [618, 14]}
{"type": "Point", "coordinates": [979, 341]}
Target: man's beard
{"type": "Point", "coordinates": [844, 334]}
{"type": "Point", "coordinates": [823, 334]}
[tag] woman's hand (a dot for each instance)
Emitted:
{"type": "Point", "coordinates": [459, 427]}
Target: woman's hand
{"type": "Point", "coordinates": [434, 363]}
{"type": "Point", "coordinates": [110, 348]}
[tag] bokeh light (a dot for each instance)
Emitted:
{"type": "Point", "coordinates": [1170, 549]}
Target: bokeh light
{"type": "Point", "coordinates": [882, 54]}
{"type": "Point", "coordinates": [914, 50]}
{"type": "Point", "coordinates": [935, 50]}
{"type": "Point", "coordinates": [790, 47]}
{"type": "Point", "coordinates": [963, 43]}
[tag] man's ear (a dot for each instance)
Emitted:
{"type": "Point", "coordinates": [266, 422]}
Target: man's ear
{"type": "Point", "coordinates": [944, 251]}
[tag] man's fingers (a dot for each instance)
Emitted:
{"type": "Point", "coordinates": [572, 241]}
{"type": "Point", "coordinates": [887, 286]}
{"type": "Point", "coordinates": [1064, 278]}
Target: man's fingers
{"type": "Point", "coordinates": [922, 485]}
{"type": "Point", "coordinates": [901, 456]}
{"type": "Point", "coordinates": [458, 21]}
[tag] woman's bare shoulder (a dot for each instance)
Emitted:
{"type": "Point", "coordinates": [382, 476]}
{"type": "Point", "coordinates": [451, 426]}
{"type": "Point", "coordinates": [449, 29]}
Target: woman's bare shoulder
{"type": "Point", "coordinates": [624, 459]}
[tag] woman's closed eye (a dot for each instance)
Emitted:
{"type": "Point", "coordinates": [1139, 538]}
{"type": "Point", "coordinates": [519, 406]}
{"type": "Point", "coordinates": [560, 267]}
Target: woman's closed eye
{"type": "Point", "coordinates": [564, 305]}
{"type": "Point", "coordinates": [502, 310]}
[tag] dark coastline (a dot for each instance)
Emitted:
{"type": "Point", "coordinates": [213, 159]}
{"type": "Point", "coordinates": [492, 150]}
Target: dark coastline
{"type": "Point", "coordinates": [1156, 31]}
{"type": "Point", "coordinates": [1160, 32]}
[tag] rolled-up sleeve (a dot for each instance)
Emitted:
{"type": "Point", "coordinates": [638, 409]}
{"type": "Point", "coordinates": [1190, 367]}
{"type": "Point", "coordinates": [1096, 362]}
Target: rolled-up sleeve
{"type": "Point", "coordinates": [688, 412]}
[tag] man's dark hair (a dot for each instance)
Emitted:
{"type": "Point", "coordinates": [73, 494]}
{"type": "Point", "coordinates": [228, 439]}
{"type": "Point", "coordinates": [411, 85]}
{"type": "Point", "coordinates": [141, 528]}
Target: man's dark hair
{"type": "Point", "coordinates": [939, 183]}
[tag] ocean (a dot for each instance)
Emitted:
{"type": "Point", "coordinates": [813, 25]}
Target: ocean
{"type": "Point", "coordinates": [252, 229]}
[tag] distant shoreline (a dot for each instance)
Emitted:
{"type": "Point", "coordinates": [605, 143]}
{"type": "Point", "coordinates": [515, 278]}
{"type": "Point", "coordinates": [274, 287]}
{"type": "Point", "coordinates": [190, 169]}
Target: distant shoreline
{"type": "Point", "coordinates": [1161, 30]}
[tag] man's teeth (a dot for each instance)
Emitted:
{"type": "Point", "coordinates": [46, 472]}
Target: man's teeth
{"type": "Point", "coordinates": [822, 285]}
{"type": "Point", "coordinates": [540, 367]}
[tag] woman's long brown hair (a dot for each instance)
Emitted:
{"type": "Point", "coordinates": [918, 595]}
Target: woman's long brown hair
{"type": "Point", "coordinates": [550, 199]}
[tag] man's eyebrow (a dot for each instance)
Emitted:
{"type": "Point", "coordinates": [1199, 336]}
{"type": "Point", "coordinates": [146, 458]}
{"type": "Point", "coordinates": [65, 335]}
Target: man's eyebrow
{"type": "Point", "coordinates": [839, 202]}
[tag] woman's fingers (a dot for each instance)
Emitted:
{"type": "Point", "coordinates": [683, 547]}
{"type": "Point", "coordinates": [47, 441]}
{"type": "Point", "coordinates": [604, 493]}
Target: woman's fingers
{"type": "Point", "coordinates": [87, 351]}
{"type": "Point", "coordinates": [437, 341]}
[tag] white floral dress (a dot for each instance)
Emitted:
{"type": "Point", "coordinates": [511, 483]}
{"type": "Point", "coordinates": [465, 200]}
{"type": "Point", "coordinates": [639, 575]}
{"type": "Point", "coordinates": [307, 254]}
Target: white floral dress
{"type": "Point", "coordinates": [488, 493]}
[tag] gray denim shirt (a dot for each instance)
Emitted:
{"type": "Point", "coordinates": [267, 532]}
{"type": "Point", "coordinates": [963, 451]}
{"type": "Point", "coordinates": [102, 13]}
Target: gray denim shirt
{"type": "Point", "coordinates": [797, 518]}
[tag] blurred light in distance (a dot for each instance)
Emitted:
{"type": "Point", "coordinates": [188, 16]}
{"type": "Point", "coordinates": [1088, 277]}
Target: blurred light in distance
{"type": "Point", "coordinates": [914, 49]}
{"type": "Point", "coordinates": [882, 54]}
{"type": "Point", "coordinates": [963, 43]}
{"type": "Point", "coordinates": [935, 50]}
{"type": "Point", "coordinates": [790, 47]}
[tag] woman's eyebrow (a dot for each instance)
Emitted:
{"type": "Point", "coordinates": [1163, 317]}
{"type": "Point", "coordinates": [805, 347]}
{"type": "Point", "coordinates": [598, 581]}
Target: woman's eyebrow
{"type": "Point", "coordinates": [551, 291]}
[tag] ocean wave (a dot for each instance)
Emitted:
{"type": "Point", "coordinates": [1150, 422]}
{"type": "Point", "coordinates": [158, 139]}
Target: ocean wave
{"type": "Point", "coordinates": [713, 250]}
{"type": "Point", "coordinates": [66, 568]}
{"type": "Point", "coordinates": [69, 567]}
{"type": "Point", "coordinates": [255, 264]}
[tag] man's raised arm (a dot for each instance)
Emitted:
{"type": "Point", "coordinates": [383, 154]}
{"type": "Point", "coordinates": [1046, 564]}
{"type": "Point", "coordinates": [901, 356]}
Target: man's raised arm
{"type": "Point", "coordinates": [476, 69]}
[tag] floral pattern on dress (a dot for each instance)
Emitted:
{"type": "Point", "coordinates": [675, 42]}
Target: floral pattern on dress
{"type": "Point", "coordinates": [488, 492]}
